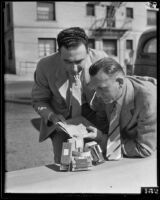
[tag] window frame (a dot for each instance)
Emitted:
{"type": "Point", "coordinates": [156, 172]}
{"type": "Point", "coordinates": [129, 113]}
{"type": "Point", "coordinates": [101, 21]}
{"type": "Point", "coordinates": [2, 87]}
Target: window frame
{"type": "Point", "coordinates": [110, 20]}
{"type": "Point", "coordinates": [93, 9]}
{"type": "Point", "coordinates": [116, 46]}
{"type": "Point", "coordinates": [44, 49]}
{"type": "Point", "coordinates": [132, 14]}
{"type": "Point", "coordinates": [53, 12]}
{"type": "Point", "coordinates": [108, 7]}
{"type": "Point", "coordinates": [153, 11]}
{"type": "Point", "coordinates": [129, 40]}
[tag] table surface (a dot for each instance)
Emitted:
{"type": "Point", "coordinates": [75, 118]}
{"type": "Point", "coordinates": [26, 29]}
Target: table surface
{"type": "Point", "coordinates": [124, 176]}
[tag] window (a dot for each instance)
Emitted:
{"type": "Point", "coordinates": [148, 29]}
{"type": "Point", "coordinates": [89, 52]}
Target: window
{"type": "Point", "coordinates": [110, 16]}
{"type": "Point", "coordinates": [129, 44]}
{"type": "Point", "coordinates": [46, 46]}
{"type": "Point", "coordinates": [46, 11]}
{"type": "Point", "coordinates": [8, 14]}
{"type": "Point", "coordinates": [10, 50]}
{"type": "Point", "coordinates": [150, 46]}
{"type": "Point", "coordinates": [110, 11]}
{"type": "Point", "coordinates": [110, 47]}
{"type": "Point", "coordinates": [129, 12]}
{"type": "Point", "coordinates": [91, 43]}
{"type": "Point", "coordinates": [151, 17]}
{"type": "Point", "coordinates": [90, 10]}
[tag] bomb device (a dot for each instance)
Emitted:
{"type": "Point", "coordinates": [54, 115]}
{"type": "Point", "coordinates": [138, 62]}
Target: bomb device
{"type": "Point", "coordinates": [76, 156]}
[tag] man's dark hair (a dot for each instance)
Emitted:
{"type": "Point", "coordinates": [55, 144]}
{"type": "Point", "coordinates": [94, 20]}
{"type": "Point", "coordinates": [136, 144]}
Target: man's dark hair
{"type": "Point", "coordinates": [107, 64]}
{"type": "Point", "coordinates": [72, 37]}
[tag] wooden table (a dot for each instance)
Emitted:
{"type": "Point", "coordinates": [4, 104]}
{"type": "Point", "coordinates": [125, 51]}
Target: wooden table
{"type": "Point", "coordinates": [124, 176]}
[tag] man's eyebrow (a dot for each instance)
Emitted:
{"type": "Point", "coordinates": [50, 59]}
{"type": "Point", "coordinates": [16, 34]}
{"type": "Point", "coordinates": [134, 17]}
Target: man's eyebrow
{"type": "Point", "coordinates": [75, 61]}
{"type": "Point", "coordinates": [79, 60]}
{"type": "Point", "coordinates": [67, 60]}
{"type": "Point", "coordinates": [102, 87]}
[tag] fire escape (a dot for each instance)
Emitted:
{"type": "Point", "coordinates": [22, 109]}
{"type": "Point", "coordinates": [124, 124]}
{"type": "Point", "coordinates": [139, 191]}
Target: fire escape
{"type": "Point", "coordinates": [107, 26]}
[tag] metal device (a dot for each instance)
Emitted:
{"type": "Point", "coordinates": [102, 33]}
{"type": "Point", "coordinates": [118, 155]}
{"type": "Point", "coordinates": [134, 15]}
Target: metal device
{"type": "Point", "coordinates": [96, 152]}
{"type": "Point", "coordinates": [76, 157]}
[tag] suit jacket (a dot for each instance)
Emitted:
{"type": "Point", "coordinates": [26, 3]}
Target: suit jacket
{"type": "Point", "coordinates": [138, 119]}
{"type": "Point", "coordinates": [49, 92]}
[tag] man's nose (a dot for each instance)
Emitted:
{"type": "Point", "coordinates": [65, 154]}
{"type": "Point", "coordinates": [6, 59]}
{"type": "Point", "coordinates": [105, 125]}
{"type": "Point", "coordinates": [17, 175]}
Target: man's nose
{"type": "Point", "coordinates": [75, 67]}
{"type": "Point", "coordinates": [98, 93]}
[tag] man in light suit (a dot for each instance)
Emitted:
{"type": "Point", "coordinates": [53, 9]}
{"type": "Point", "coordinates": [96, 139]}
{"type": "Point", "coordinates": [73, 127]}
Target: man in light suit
{"type": "Point", "coordinates": [137, 99]}
{"type": "Point", "coordinates": [53, 78]}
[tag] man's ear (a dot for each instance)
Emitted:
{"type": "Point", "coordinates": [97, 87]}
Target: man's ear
{"type": "Point", "coordinates": [120, 80]}
{"type": "Point", "coordinates": [87, 48]}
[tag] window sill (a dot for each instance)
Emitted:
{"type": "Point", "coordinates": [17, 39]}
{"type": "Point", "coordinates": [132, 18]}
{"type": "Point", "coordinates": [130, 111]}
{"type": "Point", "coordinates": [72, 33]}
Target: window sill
{"type": "Point", "coordinates": [38, 20]}
{"type": "Point", "coordinates": [90, 16]}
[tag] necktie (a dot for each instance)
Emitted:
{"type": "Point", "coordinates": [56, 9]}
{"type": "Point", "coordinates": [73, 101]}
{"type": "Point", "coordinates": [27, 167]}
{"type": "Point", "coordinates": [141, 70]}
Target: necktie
{"type": "Point", "coordinates": [114, 141]}
{"type": "Point", "coordinates": [76, 97]}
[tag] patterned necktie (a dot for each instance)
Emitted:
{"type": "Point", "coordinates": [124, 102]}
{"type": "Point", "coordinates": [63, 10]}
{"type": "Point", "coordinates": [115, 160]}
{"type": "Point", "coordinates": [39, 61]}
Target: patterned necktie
{"type": "Point", "coordinates": [114, 141]}
{"type": "Point", "coordinates": [76, 97]}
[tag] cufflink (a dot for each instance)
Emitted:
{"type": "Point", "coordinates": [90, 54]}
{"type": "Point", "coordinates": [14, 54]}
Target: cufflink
{"type": "Point", "coordinates": [41, 108]}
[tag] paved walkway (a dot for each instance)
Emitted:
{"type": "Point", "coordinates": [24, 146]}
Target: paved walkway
{"type": "Point", "coordinates": [15, 77]}
{"type": "Point", "coordinates": [22, 124]}
{"type": "Point", "coordinates": [18, 88]}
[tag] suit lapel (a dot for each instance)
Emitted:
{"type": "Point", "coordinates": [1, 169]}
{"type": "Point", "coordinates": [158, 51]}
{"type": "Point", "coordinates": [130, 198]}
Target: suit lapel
{"type": "Point", "coordinates": [128, 105]}
{"type": "Point", "coordinates": [63, 89]}
{"type": "Point", "coordinates": [62, 81]}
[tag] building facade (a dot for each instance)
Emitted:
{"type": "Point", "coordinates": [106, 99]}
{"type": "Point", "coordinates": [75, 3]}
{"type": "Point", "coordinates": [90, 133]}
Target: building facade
{"type": "Point", "coordinates": [31, 28]}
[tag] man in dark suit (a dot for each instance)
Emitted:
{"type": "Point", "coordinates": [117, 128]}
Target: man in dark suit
{"type": "Point", "coordinates": [136, 98]}
{"type": "Point", "coordinates": [60, 89]}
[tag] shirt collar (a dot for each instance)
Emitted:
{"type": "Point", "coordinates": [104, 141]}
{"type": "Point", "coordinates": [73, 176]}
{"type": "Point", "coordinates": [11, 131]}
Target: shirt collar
{"type": "Point", "coordinates": [120, 100]}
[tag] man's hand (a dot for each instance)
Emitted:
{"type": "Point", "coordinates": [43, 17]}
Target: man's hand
{"type": "Point", "coordinates": [54, 118]}
{"type": "Point", "coordinates": [93, 133]}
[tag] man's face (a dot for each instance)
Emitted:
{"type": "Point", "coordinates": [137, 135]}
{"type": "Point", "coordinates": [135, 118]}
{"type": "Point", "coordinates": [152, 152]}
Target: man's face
{"type": "Point", "coordinates": [107, 88]}
{"type": "Point", "coordinates": [74, 58]}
